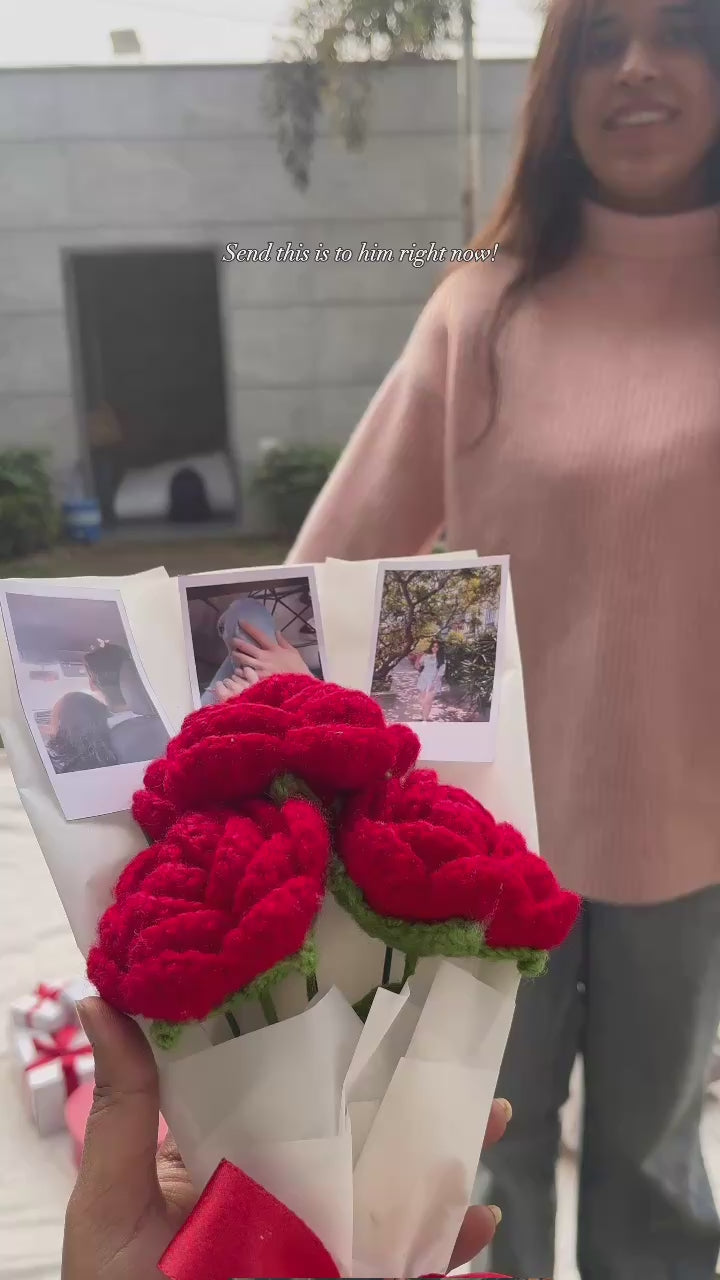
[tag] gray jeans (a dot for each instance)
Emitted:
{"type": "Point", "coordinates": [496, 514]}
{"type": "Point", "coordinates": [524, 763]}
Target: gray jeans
{"type": "Point", "coordinates": [636, 990]}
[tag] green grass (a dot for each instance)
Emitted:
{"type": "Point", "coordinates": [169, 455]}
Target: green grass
{"type": "Point", "coordinates": [115, 557]}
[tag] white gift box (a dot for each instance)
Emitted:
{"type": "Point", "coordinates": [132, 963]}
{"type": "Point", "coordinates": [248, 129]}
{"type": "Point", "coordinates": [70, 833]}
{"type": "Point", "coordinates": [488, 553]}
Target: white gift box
{"type": "Point", "coordinates": [73, 991]}
{"type": "Point", "coordinates": [40, 1012]}
{"type": "Point", "coordinates": [43, 1082]}
{"type": "Point", "coordinates": [52, 1006]}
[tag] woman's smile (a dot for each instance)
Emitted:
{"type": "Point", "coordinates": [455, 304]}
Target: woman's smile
{"type": "Point", "coordinates": [640, 117]}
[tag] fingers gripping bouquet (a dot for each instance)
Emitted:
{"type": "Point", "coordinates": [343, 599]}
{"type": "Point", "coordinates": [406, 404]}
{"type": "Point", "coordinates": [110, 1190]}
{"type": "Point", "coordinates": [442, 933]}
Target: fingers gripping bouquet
{"type": "Point", "coordinates": [291, 833]}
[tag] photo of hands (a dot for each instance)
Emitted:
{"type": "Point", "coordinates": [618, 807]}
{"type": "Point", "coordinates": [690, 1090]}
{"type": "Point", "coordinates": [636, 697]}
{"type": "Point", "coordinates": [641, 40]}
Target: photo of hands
{"type": "Point", "coordinates": [244, 626]}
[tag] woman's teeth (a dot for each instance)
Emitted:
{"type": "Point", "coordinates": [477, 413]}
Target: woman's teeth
{"type": "Point", "coordinates": [634, 118]}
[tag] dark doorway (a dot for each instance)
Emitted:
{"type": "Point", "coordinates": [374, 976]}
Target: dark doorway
{"type": "Point", "coordinates": [151, 384]}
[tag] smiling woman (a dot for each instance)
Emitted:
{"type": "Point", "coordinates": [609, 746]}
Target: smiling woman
{"type": "Point", "coordinates": [645, 137]}
{"type": "Point", "coordinates": [562, 405]}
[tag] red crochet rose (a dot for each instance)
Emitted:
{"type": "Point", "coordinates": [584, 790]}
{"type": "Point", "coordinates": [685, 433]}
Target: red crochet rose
{"type": "Point", "coordinates": [221, 901]}
{"type": "Point", "coordinates": [334, 739]}
{"type": "Point", "coordinates": [424, 853]}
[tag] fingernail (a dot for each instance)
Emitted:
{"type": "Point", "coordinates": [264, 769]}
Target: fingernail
{"type": "Point", "coordinates": [506, 1108]}
{"type": "Point", "coordinates": [496, 1213]}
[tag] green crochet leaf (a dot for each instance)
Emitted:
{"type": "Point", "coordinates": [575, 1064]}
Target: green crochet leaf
{"type": "Point", "coordinates": [452, 938]}
{"type": "Point", "coordinates": [166, 1035]}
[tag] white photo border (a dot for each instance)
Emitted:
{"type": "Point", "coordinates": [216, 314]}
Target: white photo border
{"type": "Point", "coordinates": [238, 577]}
{"type": "Point", "coordinates": [88, 793]}
{"type": "Point", "coordinates": [468, 743]}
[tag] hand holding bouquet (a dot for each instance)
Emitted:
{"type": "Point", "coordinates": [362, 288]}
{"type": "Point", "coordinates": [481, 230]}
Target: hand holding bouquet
{"type": "Point", "coordinates": [291, 835]}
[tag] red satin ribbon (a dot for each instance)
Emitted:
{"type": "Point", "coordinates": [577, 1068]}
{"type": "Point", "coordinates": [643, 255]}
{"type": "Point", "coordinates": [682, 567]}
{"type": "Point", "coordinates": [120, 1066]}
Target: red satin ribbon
{"type": "Point", "coordinates": [42, 992]}
{"type": "Point", "coordinates": [59, 1047]}
{"type": "Point", "coordinates": [239, 1229]}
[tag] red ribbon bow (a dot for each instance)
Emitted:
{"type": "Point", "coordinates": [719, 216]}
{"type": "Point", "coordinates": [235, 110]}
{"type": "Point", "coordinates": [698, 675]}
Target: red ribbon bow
{"type": "Point", "coordinates": [239, 1229]}
{"type": "Point", "coordinates": [42, 992]}
{"type": "Point", "coordinates": [59, 1047]}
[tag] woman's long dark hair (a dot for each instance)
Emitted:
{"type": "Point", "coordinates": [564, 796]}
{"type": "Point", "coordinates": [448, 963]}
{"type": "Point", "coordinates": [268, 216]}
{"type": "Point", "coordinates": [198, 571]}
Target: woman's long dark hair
{"type": "Point", "coordinates": [82, 738]}
{"type": "Point", "coordinates": [538, 219]}
{"type": "Point", "coordinates": [440, 656]}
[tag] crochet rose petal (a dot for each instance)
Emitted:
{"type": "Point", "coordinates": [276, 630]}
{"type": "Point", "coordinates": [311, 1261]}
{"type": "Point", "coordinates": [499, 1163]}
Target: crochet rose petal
{"type": "Point", "coordinates": [224, 770]}
{"type": "Point", "coordinates": [333, 739]}
{"type": "Point", "coordinates": [406, 745]}
{"type": "Point", "coordinates": [332, 705]}
{"type": "Point", "coordinates": [236, 716]}
{"type": "Point", "coordinates": [153, 813]}
{"type": "Point", "coordinates": [279, 691]}
{"type": "Point", "coordinates": [337, 758]}
{"type": "Point", "coordinates": [222, 900]}
{"type": "Point", "coordinates": [155, 776]}
{"type": "Point", "coordinates": [425, 853]}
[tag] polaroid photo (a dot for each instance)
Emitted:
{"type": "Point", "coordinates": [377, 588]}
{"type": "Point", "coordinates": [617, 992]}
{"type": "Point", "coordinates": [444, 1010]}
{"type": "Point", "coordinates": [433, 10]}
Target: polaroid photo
{"type": "Point", "coordinates": [246, 624]}
{"type": "Point", "coordinates": [438, 652]}
{"type": "Point", "coordinates": [85, 695]}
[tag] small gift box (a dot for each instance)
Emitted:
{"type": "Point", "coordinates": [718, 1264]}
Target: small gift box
{"type": "Point", "coordinates": [72, 992]}
{"type": "Point", "coordinates": [51, 1006]}
{"type": "Point", "coordinates": [44, 1010]}
{"type": "Point", "coordinates": [51, 1066]}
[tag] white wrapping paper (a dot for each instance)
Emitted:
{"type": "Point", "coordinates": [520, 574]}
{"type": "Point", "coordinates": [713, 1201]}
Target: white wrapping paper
{"type": "Point", "coordinates": [85, 858]}
{"type": "Point", "coordinates": [371, 1134]}
{"type": "Point", "coordinates": [414, 1178]}
{"type": "Point", "coordinates": [347, 596]}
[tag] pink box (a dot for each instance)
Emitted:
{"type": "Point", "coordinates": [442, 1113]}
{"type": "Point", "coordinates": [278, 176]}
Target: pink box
{"type": "Point", "coordinates": [77, 1110]}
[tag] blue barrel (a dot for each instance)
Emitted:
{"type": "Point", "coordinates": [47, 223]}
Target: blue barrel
{"type": "Point", "coordinates": [83, 520]}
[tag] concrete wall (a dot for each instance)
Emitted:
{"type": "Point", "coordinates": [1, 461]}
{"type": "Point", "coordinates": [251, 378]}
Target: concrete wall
{"type": "Point", "coordinates": [177, 156]}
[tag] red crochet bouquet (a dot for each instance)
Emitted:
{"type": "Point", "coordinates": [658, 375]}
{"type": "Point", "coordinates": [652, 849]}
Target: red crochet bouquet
{"type": "Point", "coordinates": [264, 804]}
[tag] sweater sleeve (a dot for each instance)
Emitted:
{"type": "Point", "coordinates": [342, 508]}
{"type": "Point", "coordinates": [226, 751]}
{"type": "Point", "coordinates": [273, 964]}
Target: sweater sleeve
{"type": "Point", "coordinates": [386, 495]}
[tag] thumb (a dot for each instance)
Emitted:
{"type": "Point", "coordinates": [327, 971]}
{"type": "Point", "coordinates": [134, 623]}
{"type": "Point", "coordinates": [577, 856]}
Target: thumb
{"type": "Point", "coordinates": [122, 1131]}
{"type": "Point", "coordinates": [283, 643]}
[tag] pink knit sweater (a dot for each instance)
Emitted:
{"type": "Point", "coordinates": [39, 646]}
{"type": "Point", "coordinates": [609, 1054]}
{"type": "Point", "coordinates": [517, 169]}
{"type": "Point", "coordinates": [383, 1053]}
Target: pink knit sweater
{"type": "Point", "coordinates": [601, 478]}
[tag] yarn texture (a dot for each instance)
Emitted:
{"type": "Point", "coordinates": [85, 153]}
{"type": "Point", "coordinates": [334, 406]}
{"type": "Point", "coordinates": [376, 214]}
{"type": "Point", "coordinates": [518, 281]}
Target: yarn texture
{"type": "Point", "coordinates": [425, 853]}
{"type": "Point", "coordinates": [263, 803]}
{"type": "Point", "coordinates": [335, 739]}
{"type": "Point", "coordinates": [205, 912]}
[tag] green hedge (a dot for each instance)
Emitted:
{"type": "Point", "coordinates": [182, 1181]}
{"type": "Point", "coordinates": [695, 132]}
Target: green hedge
{"type": "Point", "coordinates": [290, 478]}
{"type": "Point", "coordinates": [29, 518]}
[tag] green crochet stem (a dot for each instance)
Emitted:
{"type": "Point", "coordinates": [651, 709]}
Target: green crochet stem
{"type": "Point", "coordinates": [166, 1035]}
{"type": "Point", "coordinates": [233, 1024]}
{"type": "Point", "coordinates": [453, 938]}
{"type": "Point", "coordinates": [287, 787]}
{"type": "Point", "coordinates": [362, 1008]}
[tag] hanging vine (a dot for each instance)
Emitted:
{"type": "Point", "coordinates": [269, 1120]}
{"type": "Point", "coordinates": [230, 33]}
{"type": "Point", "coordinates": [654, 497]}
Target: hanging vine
{"type": "Point", "coordinates": [324, 67]}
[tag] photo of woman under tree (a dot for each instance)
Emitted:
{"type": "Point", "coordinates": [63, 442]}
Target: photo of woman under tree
{"type": "Point", "coordinates": [437, 644]}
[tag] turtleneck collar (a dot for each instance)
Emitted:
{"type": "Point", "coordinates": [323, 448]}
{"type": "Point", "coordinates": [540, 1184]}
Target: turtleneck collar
{"type": "Point", "coordinates": [626, 235]}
